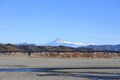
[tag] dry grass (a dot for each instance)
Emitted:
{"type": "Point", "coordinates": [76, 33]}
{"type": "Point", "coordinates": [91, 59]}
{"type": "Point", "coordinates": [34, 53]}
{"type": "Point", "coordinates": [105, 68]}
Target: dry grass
{"type": "Point", "coordinates": [68, 55]}
{"type": "Point", "coordinates": [76, 55]}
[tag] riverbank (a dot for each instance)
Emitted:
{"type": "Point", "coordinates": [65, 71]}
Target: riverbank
{"type": "Point", "coordinates": [13, 61]}
{"type": "Point", "coordinates": [65, 74]}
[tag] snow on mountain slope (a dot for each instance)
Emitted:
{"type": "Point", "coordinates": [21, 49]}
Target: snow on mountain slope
{"type": "Point", "coordinates": [60, 41]}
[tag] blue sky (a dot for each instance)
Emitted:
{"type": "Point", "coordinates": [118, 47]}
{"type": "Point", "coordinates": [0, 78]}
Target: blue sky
{"type": "Point", "coordinates": [41, 21]}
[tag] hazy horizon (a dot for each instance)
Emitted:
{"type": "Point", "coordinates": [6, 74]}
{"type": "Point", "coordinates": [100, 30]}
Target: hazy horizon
{"type": "Point", "coordinates": [44, 44]}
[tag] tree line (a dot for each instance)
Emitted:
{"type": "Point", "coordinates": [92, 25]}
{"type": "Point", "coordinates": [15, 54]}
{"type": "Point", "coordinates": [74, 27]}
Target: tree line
{"type": "Point", "coordinates": [12, 47]}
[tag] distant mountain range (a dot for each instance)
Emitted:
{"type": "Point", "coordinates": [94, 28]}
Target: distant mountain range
{"type": "Point", "coordinates": [19, 44]}
{"type": "Point", "coordinates": [104, 47]}
{"type": "Point", "coordinates": [62, 42]}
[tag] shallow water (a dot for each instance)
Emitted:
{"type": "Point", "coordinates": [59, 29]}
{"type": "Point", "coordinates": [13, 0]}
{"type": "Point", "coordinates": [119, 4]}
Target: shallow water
{"type": "Point", "coordinates": [49, 69]}
{"type": "Point", "coordinates": [53, 72]}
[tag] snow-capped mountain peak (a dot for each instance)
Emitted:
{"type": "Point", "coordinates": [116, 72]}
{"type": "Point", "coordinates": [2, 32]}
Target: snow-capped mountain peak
{"type": "Point", "coordinates": [60, 41]}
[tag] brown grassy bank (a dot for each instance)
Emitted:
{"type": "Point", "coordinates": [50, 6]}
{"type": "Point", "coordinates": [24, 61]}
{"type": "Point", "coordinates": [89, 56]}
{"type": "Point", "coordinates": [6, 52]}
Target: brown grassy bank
{"type": "Point", "coordinates": [67, 55]}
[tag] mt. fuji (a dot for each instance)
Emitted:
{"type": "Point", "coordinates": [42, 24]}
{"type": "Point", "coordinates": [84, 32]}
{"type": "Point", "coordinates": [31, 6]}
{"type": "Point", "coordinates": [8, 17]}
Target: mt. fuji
{"type": "Point", "coordinates": [62, 42]}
